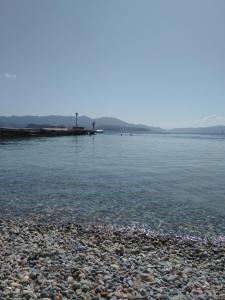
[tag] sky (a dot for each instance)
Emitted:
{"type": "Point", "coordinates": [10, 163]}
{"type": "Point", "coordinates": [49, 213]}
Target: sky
{"type": "Point", "coordinates": [155, 62]}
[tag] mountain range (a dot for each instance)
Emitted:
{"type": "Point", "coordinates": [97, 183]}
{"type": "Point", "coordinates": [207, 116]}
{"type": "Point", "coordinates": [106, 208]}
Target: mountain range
{"type": "Point", "coordinates": [105, 123]}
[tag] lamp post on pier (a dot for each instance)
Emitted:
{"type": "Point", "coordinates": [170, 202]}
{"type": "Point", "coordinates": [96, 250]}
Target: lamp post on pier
{"type": "Point", "coordinates": [76, 114]}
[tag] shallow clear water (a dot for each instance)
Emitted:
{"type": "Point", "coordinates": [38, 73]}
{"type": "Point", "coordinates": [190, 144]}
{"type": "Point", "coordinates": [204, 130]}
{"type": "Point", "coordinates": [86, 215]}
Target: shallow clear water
{"type": "Point", "coordinates": [172, 183]}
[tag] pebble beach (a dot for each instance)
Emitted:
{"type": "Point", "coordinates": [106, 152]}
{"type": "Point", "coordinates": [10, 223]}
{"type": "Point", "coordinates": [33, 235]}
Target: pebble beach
{"type": "Point", "coordinates": [91, 261]}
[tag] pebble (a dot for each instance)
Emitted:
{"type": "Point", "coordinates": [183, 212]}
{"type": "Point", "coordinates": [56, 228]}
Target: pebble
{"type": "Point", "coordinates": [82, 262]}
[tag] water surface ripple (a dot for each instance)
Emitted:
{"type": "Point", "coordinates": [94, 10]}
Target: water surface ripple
{"type": "Point", "coordinates": [172, 183]}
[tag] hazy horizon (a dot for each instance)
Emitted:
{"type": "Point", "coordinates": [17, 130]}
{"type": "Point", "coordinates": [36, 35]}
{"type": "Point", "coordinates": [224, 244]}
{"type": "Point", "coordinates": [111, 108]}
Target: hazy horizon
{"type": "Point", "coordinates": [156, 63]}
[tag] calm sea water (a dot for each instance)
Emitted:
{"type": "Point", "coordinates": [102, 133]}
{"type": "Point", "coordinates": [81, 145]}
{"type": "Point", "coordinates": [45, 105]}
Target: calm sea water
{"type": "Point", "coordinates": [171, 183]}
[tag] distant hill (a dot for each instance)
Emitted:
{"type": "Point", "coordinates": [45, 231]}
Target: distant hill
{"type": "Point", "coordinates": [106, 123]}
{"type": "Point", "coordinates": [114, 124]}
{"type": "Point", "coordinates": [23, 121]}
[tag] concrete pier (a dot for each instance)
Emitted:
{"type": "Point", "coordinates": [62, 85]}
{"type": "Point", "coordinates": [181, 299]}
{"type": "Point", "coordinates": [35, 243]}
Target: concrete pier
{"type": "Point", "coordinates": [32, 132]}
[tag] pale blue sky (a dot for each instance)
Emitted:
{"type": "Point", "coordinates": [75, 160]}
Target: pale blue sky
{"type": "Point", "coordinates": [158, 62]}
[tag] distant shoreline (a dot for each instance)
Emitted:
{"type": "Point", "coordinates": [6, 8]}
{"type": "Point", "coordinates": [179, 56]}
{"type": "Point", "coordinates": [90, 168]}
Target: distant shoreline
{"type": "Point", "coordinates": [105, 123]}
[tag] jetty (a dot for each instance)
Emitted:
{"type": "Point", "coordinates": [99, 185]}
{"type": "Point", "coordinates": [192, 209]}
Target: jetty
{"type": "Point", "coordinates": [32, 132]}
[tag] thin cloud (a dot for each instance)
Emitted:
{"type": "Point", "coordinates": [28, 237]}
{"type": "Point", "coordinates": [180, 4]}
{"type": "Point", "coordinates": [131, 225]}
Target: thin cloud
{"type": "Point", "coordinates": [213, 117]}
{"type": "Point", "coordinates": [210, 120]}
{"type": "Point", "coordinates": [9, 76]}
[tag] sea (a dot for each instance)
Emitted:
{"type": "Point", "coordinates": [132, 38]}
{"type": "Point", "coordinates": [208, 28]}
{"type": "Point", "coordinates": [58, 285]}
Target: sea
{"type": "Point", "coordinates": [171, 184]}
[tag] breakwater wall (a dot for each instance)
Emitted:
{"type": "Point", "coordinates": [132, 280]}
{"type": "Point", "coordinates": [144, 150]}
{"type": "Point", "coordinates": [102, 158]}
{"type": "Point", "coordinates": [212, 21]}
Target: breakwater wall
{"type": "Point", "coordinates": [32, 132]}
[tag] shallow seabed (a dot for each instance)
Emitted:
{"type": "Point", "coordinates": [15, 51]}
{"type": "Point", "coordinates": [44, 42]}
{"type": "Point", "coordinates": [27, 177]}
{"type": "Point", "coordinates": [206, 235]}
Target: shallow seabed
{"type": "Point", "coordinates": [170, 184]}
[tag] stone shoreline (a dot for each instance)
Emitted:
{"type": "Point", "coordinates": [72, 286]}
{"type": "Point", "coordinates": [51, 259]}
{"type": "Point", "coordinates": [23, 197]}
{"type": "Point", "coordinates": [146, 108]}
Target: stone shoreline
{"type": "Point", "coordinates": [73, 261]}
